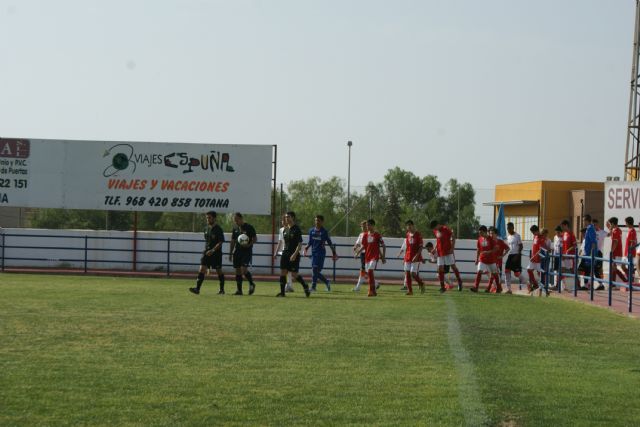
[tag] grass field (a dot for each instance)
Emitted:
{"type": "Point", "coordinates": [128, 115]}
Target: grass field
{"type": "Point", "coordinates": [113, 351]}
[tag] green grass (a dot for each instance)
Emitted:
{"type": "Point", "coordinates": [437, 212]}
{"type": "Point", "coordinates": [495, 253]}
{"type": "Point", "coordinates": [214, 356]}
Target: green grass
{"type": "Point", "coordinates": [111, 351]}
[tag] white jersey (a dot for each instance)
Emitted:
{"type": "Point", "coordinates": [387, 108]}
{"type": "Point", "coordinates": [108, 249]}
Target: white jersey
{"type": "Point", "coordinates": [601, 235]}
{"type": "Point", "coordinates": [514, 241]}
{"type": "Point", "coordinates": [557, 245]}
{"type": "Point", "coordinates": [359, 240]}
{"type": "Point", "coordinates": [281, 239]}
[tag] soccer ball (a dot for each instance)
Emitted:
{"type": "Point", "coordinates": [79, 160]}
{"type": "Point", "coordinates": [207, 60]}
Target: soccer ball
{"type": "Point", "coordinates": [243, 240]}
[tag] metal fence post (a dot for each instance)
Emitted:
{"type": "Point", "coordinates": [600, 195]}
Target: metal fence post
{"type": "Point", "coordinates": [168, 256]}
{"type": "Point", "coordinates": [559, 273]}
{"type": "Point", "coordinates": [576, 279]}
{"type": "Point", "coordinates": [592, 280]}
{"type": "Point", "coordinates": [630, 280]}
{"type": "Point", "coordinates": [611, 267]}
{"type": "Point", "coordinates": [86, 251]}
{"type": "Point", "coordinates": [546, 273]}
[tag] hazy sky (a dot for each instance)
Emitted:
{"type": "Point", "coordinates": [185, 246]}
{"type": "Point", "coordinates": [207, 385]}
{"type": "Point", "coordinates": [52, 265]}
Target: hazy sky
{"type": "Point", "coordinates": [490, 91]}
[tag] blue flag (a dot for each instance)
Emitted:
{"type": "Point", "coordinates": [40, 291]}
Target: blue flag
{"type": "Point", "coordinates": [500, 223]}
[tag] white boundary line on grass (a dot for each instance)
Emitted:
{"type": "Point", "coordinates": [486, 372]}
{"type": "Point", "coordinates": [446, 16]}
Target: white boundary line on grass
{"type": "Point", "coordinates": [468, 390]}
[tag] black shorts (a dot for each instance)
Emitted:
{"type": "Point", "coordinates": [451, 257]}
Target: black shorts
{"type": "Point", "coordinates": [212, 261]}
{"type": "Point", "coordinates": [557, 263]}
{"type": "Point", "coordinates": [287, 264]}
{"type": "Point", "coordinates": [514, 263]}
{"type": "Point", "coordinates": [242, 258]}
{"type": "Point", "coordinates": [362, 261]}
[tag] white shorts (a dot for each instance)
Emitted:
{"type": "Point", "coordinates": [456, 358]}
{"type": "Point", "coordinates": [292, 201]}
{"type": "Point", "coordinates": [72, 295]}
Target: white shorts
{"type": "Point", "coordinates": [567, 263]}
{"type": "Point", "coordinates": [446, 260]}
{"type": "Point", "coordinates": [371, 265]}
{"type": "Point", "coordinates": [620, 261]}
{"type": "Point", "coordinates": [535, 266]}
{"type": "Point", "coordinates": [487, 268]}
{"type": "Point", "coordinates": [413, 267]}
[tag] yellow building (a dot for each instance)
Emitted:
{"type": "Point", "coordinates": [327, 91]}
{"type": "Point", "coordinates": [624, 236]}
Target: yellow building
{"type": "Point", "coordinates": [547, 203]}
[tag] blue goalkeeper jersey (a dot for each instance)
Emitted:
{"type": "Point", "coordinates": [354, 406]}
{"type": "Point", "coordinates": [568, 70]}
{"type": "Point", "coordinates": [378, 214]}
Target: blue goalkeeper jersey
{"type": "Point", "coordinates": [317, 240]}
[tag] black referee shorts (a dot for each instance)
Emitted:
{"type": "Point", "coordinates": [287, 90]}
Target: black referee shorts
{"type": "Point", "coordinates": [287, 264]}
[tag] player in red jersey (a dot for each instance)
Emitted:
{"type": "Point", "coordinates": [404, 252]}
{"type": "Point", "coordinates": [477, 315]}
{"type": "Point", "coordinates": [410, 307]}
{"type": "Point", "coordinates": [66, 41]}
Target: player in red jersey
{"type": "Point", "coordinates": [616, 248]}
{"type": "Point", "coordinates": [374, 250]}
{"type": "Point", "coordinates": [412, 247]}
{"type": "Point", "coordinates": [569, 246]}
{"type": "Point", "coordinates": [486, 260]}
{"type": "Point", "coordinates": [445, 243]}
{"type": "Point", "coordinates": [630, 243]}
{"type": "Point", "coordinates": [539, 244]}
{"type": "Point", "coordinates": [501, 250]}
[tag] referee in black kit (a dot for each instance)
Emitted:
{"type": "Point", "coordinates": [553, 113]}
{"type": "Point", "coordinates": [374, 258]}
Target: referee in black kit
{"type": "Point", "coordinates": [290, 259]}
{"type": "Point", "coordinates": [240, 255]}
{"type": "Point", "coordinates": [212, 255]}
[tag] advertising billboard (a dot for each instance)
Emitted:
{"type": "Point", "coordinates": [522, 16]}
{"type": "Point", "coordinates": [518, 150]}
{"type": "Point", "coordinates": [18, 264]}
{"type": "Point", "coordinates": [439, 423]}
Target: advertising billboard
{"type": "Point", "coordinates": [142, 176]}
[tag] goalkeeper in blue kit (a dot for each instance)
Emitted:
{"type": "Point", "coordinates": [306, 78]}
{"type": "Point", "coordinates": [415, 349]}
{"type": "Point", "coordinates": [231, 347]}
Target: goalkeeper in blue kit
{"type": "Point", "coordinates": [318, 240]}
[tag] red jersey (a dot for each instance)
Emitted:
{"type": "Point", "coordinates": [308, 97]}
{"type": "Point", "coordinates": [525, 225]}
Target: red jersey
{"type": "Point", "coordinates": [372, 248]}
{"type": "Point", "coordinates": [539, 242]}
{"type": "Point", "coordinates": [501, 248]}
{"type": "Point", "coordinates": [486, 243]}
{"type": "Point", "coordinates": [413, 243]}
{"type": "Point", "coordinates": [616, 236]}
{"type": "Point", "coordinates": [443, 240]}
{"type": "Point", "coordinates": [631, 241]}
{"type": "Point", "coordinates": [568, 241]}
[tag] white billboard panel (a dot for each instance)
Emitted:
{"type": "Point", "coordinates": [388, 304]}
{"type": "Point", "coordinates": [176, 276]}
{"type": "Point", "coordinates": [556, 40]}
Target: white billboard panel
{"type": "Point", "coordinates": [622, 199]}
{"type": "Point", "coordinates": [142, 176]}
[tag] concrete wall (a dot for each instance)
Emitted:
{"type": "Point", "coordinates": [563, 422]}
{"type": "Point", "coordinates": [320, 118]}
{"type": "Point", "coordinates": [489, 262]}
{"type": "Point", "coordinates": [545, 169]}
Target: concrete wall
{"type": "Point", "coordinates": [114, 250]}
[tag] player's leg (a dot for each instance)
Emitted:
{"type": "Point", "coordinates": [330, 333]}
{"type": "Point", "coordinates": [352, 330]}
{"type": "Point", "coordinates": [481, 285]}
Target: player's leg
{"type": "Point", "coordinates": [441, 273]}
{"type": "Point", "coordinates": [289, 287]}
{"type": "Point", "coordinates": [479, 270]}
{"type": "Point", "coordinates": [362, 275]}
{"type": "Point", "coordinates": [237, 265]}
{"type": "Point", "coordinates": [320, 266]}
{"type": "Point", "coordinates": [220, 279]}
{"type": "Point", "coordinates": [294, 267]}
{"type": "Point", "coordinates": [454, 267]}
{"type": "Point", "coordinates": [415, 273]}
{"type": "Point", "coordinates": [496, 277]}
{"type": "Point", "coordinates": [407, 278]}
{"type": "Point", "coordinates": [201, 273]}
{"type": "Point", "coordinates": [371, 265]}
{"type": "Point", "coordinates": [246, 271]}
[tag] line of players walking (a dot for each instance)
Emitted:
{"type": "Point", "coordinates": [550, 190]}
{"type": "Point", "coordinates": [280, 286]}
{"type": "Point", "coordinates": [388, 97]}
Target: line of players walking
{"type": "Point", "coordinates": [371, 249]}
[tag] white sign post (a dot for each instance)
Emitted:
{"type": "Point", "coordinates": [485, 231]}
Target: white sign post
{"type": "Point", "coordinates": [140, 176]}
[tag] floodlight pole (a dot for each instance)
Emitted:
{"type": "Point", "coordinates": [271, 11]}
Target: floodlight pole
{"type": "Point", "coordinates": [349, 144]}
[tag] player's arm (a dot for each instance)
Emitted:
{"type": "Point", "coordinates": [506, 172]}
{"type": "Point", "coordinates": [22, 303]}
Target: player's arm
{"type": "Point", "coordinates": [232, 246]}
{"type": "Point", "coordinates": [453, 241]}
{"type": "Point", "coordinates": [218, 246]}
{"type": "Point", "coordinates": [383, 251]}
{"type": "Point", "coordinates": [477, 253]}
{"type": "Point", "coordinates": [308, 243]}
{"type": "Point", "coordinates": [295, 254]}
{"type": "Point", "coordinates": [253, 237]}
{"type": "Point", "coordinates": [332, 246]}
{"type": "Point", "coordinates": [402, 248]}
{"type": "Point", "coordinates": [278, 246]}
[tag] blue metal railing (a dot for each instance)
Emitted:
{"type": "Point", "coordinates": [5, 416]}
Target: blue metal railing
{"type": "Point", "coordinates": [592, 276]}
